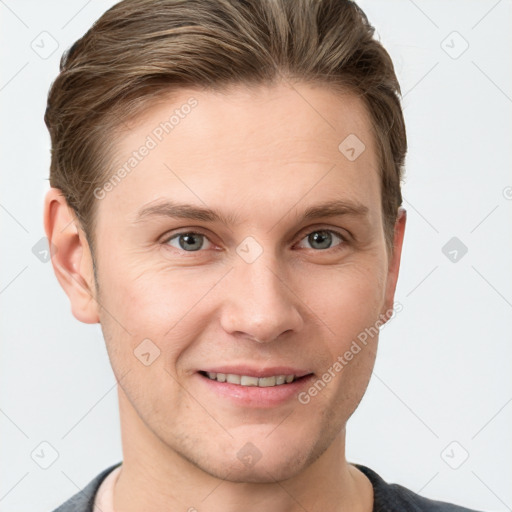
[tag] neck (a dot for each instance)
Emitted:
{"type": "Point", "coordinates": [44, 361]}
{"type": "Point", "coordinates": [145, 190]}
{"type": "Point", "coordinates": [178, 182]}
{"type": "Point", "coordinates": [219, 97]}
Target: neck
{"type": "Point", "coordinates": [155, 477]}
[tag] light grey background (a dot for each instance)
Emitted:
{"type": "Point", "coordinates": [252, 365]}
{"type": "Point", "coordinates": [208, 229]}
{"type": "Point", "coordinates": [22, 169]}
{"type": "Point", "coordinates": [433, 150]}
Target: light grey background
{"type": "Point", "coordinates": [441, 389]}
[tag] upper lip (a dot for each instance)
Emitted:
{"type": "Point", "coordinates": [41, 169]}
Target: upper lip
{"type": "Point", "coordinates": [257, 372]}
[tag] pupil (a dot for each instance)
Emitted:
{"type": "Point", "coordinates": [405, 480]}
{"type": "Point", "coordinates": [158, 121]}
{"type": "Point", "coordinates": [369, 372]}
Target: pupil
{"type": "Point", "coordinates": [187, 241]}
{"type": "Point", "coordinates": [323, 238]}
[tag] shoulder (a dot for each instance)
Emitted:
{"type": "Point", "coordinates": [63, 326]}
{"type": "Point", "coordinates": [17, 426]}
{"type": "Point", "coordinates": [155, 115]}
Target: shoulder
{"type": "Point", "coordinates": [83, 501]}
{"type": "Point", "coordinates": [394, 497]}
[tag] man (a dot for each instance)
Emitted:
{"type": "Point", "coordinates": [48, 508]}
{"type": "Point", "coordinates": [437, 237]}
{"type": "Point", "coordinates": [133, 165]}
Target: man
{"type": "Point", "coordinates": [226, 203]}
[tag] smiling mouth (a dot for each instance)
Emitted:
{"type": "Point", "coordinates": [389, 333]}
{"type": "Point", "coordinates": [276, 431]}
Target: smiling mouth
{"type": "Point", "coordinates": [249, 380]}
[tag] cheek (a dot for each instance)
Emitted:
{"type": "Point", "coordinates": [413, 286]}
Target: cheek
{"type": "Point", "coordinates": [347, 298]}
{"type": "Point", "coordinates": [347, 304]}
{"type": "Point", "coordinates": [152, 290]}
{"type": "Point", "coordinates": [168, 306]}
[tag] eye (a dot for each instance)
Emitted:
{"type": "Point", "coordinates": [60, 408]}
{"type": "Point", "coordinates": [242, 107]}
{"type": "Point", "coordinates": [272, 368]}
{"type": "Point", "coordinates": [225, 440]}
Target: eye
{"type": "Point", "coordinates": [189, 241]}
{"type": "Point", "coordinates": [322, 239]}
{"type": "Point", "coordinates": [192, 241]}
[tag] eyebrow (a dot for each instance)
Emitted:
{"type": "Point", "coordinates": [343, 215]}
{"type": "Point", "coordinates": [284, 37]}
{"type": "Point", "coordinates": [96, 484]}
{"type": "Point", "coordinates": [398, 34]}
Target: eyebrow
{"type": "Point", "coordinates": [171, 209]}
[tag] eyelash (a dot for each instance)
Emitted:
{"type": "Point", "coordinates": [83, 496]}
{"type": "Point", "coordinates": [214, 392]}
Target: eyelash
{"type": "Point", "coordinates": [340, 245]}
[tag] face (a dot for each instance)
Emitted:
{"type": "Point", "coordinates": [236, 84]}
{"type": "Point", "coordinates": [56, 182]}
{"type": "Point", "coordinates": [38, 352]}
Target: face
{"type": "Point", "coordinates": [283, 272]}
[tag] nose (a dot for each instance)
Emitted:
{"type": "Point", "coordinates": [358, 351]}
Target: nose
{"type": "Point", "coordinates": [260, 303]}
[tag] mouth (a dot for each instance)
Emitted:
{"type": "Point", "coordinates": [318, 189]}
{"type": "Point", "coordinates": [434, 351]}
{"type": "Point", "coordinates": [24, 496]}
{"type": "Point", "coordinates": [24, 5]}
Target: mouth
{"type": "Point", "coordinates": [249, 386]}
{"type": "Point", "coordinates": [253, 380]}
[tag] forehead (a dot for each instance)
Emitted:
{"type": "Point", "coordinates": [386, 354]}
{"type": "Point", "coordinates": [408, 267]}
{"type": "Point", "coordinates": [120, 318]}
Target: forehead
{"type": "Point", "coordinates": [265, 144]}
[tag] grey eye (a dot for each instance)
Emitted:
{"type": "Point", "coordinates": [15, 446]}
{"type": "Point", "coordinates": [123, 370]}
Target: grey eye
{"type": "Point", "coordinates": [322, 239]}
{"type": "Point", "coordinates": [188, 241]}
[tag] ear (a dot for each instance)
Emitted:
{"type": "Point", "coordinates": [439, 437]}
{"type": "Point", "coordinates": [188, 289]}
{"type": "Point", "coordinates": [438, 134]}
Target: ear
{"type": "Point", "coordinates": [71, 256]}
{"type": "Point", "coordinates": [394, 261]}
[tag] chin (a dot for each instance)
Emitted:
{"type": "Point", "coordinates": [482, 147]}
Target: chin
{"type": "Point", "coordinates": [256, 453]}
{"type": "Point", "coordinates": [276, 461]}
{"type": "Point", "coordinates": [262, 472]}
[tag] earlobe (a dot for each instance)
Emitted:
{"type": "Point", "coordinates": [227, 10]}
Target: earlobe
{"type": "Point", "coordinates": [71, 256]}
{"type": "Point", "coordinates": [394, 260]}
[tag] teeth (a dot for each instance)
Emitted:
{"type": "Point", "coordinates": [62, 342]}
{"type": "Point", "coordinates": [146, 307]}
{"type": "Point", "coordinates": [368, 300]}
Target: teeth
{"type": "Point", "coordinates": [233, 379]}
{"type": "Point", "coordinates": [248, 380]}
{"type": "Point", "coordinates": [265, 382]}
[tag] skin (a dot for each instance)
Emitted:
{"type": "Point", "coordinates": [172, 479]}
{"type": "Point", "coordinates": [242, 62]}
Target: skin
{"type": "Point", "coordinates": [262, 155]}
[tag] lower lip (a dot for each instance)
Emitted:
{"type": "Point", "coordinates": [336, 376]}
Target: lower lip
{"type": "Point", "coordinates": [255, 396]}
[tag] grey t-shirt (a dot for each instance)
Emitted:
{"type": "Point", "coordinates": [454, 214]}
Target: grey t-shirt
{"type": "Point", "coordinates": [387, 497]}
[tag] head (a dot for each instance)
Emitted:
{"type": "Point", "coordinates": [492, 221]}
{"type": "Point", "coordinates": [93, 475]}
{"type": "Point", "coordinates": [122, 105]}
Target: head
{"type": "Point", "coordinates": [226, 193]}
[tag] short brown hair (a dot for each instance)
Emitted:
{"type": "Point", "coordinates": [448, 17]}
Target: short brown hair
{"type": "Point", "coordinates": [139, 50]}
